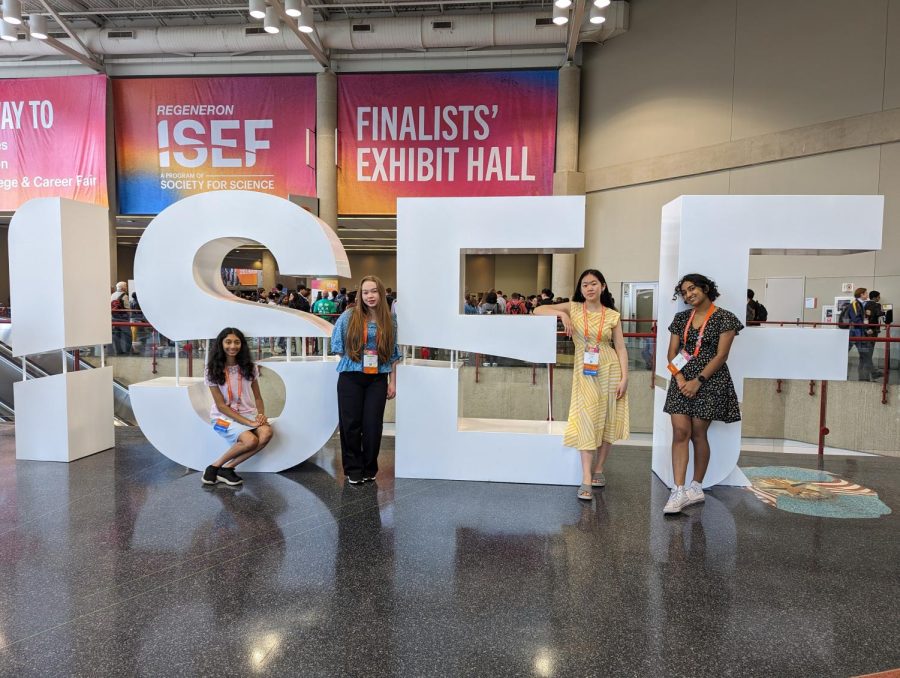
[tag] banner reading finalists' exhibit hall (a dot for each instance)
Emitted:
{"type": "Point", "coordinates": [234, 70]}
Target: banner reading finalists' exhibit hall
{"type": "Point", "coordinates": [53, 140]}
{"type": "Point", "coordinates": [444, 134]}
{"type": "Point", "coordinates": [176, 137]}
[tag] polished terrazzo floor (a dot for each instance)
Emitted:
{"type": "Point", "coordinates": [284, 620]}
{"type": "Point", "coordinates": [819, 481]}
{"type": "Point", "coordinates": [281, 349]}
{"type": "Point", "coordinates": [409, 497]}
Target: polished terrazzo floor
{"type": "Point", "coordinates": [121, 564]}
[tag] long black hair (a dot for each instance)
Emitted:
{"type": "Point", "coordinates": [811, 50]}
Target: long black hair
{"type": "Point", "coordinates": [215, 368]}
{"type": "Point", "coordinates": [706, 284]}
{"type": "Point", "coordinates": [606, 298]}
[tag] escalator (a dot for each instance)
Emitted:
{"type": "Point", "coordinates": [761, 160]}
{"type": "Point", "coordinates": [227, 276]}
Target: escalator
{"type": "Point", "coordinates": [47, 364]}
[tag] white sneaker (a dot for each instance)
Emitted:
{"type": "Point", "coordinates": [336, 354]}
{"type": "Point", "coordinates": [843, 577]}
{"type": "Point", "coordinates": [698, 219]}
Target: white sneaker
{"type": "Point", "coordinates": [677, 501]}
{"type": "Point", "coordinates": [694, 494]}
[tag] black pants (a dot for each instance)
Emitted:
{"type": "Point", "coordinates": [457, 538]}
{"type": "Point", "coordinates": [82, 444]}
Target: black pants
{"type": "Point", "coordinates": [361, 401]}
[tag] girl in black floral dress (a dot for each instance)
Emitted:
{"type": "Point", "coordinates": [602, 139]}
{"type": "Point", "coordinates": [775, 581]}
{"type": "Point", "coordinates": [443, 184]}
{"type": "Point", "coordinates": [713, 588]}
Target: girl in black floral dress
{"type": "Point", "coordinates": [701, 390]}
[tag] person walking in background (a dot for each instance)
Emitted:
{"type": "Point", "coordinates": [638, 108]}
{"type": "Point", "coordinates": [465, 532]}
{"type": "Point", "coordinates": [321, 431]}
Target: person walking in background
{"type": "Point", "coordinates": [854, 317]}
{"type": "Point", "coordinates": [701, 390]}
{"type": "Point", "coordinates": [598, 413]}
{"type": "Point", "coordinates": [119, 305]}
{"type": "Point", "coordinates": [501, 301]}
{"type": "Point", "coordinates": [490, 307]}
{"type": "Point", "coordinates": [325, 307]}
{"type": "Point", "coordinates": [366, 339]}
{"type": "Point", "coordinates": [516, 305]}
{"type": "Point", "coordinates": [469, 306]}
{"type": "Point", "coordinates": [756, 312]}
{"type": "Point", "coordinates": [874, 316]}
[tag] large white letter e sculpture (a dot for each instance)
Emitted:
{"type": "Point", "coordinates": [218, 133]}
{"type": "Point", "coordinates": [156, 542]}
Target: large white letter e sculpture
{"type": "Point", "coordinates": [433, 235]}
{"type": "Point", "coordinates": [177, 269]}
{"type": "Point", "coordinates": [715, 236]}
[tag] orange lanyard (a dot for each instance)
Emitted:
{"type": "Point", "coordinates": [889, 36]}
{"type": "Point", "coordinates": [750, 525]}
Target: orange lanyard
{"type": "Point", "coordinates": [366, 338]}
{"type": "Point", "coordinates": [602, 322]}
{"type": "Point", "coordinates": [240, 388]}
{"type": "Point", "coordinates": [690, 324]}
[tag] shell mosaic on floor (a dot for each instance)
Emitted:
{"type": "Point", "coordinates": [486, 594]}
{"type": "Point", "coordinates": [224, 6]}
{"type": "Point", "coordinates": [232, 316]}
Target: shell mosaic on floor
{"type": "Point", "coordinates": [814, 493]}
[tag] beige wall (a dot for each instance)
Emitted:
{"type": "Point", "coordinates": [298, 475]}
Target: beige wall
{"type": "Point", "coordinates": [516, 273]}
{"type": "Point", "coordinates": [697, 73]}
{"type": "Point", "coordinates": [384, 265]}
{"type": "Point", "coordinates": [125, 262]}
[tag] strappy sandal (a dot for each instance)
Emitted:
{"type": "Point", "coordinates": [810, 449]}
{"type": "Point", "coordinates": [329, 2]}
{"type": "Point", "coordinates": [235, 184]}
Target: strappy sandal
{"type": "Point", "coordinates": [584, 492]}
{"type": "Point", "coordinates": [598, 480]}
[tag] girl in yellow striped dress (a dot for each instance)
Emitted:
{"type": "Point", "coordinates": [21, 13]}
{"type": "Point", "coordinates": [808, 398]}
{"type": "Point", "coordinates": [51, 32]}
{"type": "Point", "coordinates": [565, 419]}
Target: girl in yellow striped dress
{"type": "Point", "coordinates": [598, 414]}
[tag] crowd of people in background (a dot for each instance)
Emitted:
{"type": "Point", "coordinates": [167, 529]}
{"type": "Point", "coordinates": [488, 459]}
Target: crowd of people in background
{"type": "Point", "coordinates": [496, 303]}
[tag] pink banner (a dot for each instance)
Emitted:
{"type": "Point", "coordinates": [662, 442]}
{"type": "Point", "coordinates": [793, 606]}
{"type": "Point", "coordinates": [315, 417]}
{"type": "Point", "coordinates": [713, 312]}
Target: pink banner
{"type": "Point", "coordinates": [176, 137]}
{"type": "Point", "coordinates": [444, 134]}
{"type": "Point", "coordinates": [53, 140]}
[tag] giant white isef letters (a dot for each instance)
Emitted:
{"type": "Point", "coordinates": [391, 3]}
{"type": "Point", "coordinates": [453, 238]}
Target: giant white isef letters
{"type": "Point", "coordinates": [433, 235]}
{"type": "Point", "coordinates": [59, 292]}
{"type": "Point", "coordinates": [177, 269]}
{"type": "Point", "coordinates": [715, 235]}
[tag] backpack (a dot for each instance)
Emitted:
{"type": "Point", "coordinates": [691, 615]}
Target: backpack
{"type": "Point", "coordinates": [516, 308]}
{"type": "Point", "coordinates": [495, 309]}
{"type": "Point", "coordinates": [116, 304]}
{"type": "Point", "coordinates": [761, 313]}
{"type": "Point", "coordinates": [844, 318]}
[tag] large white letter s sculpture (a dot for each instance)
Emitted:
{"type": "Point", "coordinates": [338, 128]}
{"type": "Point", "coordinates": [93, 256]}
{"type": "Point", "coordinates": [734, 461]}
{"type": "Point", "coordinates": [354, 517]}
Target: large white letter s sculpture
{"type": "Point", "coordinates": [177, 270]}
{"type": "Point", "coordinates": [715, 235]}
{"type": "Point", "coordinates": [433, 235]}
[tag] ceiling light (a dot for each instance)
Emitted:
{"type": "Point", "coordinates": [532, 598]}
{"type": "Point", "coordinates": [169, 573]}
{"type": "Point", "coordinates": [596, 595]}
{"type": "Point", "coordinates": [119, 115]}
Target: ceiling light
{"type": "Point", "coordinates": [258, 9]}
{"type": "Point", "coordinates": [37, 23]}
{"type": "Point", "coordinates": [307, 23]}
{"type": "Point", "coordinates": [8, 32]}
{"type": "Point", "coordinates": [560, 16]}
{"type": "Point", "coordinates": [600, 4]}
{"type": "Point", "coordinates": [292, 8]}
{"type": "Point", "coordinates": [597, 15]}
{"type": "Point", "coordinates": [12, 12]}
{"type": "Point", "coordinates": [272, 23]}
{"type": "Point", "coordinates": [563, 4]}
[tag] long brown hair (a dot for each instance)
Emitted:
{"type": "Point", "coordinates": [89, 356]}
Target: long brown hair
{"type": "Point", "coordinates": [356, 328]}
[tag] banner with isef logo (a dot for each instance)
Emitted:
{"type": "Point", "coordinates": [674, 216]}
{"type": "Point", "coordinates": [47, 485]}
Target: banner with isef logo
{"type": "Point", "coordinates": [176, 137]}
{"type": "Point", "coordinates": [444, 134]}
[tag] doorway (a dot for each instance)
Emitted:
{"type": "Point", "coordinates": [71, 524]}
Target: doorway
{"type": "Point", "coordinates": [784, 298]}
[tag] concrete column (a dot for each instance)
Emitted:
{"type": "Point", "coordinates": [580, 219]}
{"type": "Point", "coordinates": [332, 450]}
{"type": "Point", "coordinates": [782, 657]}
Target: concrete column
{"type": "Point", "coordinates": [544, 268]}
{"type": "Point", "coordinates": [326, 169]}
{"type": "Point", "coordinates": [268, 270]}
{"type": "Point", "coordinates": [567, 180]}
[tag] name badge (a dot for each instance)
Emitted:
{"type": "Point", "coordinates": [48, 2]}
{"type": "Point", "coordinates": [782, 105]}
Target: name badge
{"type": "Point", "coordinates": [679, 361]}
{"type": "Point", "coordinates": [221, 425]}
{"type": "Point", "coordinates": [370, 361]}
{"type": "Point", "coordinates": [591, 361]}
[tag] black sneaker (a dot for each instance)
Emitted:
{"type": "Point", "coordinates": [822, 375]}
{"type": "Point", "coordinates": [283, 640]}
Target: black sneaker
{"type": "Point", "coordinates": [229, 477]}
{"type": "Point", "coordinates": [368, 479]}
{"type": "Point", "coordinates": [210, 475]}
{"type": "Point", "coordinates": [355, 481]}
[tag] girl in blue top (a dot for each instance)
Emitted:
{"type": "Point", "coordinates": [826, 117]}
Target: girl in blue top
{"type": "Point", "coordinates": [365, 337]}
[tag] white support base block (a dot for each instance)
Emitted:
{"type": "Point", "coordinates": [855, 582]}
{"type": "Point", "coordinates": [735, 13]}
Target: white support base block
{"type": "Point", "coordinates": [64, 417]}
{"type": "Point", "coordinates": [433, 442]}
{"type": "Point", "coordinates": [175, 419]}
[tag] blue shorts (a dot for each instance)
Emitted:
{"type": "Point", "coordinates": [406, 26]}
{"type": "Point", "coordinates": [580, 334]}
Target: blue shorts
{"type": "Point", "coordinates": [233, 432]}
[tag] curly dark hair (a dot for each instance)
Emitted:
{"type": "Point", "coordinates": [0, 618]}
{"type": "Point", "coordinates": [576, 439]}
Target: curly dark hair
{"type": "Point", "coordinates": [606, 297]}
{"type": "Point", "coordinates": [706, 284]}
{"type": "Point", "coordinates": [215, 368]}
